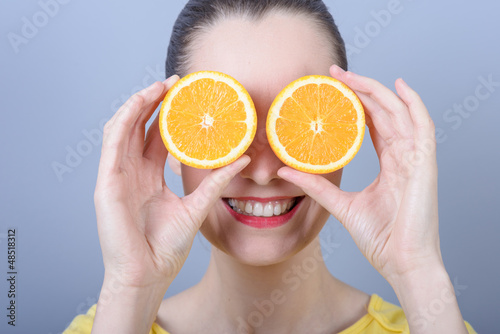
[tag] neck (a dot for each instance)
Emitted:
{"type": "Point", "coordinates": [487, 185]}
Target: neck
{"type": "Point", "coordinates": [273, 298]}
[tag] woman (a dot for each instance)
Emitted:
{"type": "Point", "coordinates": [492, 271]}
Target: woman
{"type": "Point", "coordinates": [269, 280]}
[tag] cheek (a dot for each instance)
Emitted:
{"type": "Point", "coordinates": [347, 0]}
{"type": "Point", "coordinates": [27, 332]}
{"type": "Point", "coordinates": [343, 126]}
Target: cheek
{"type": "Point", "coordinates": [334, 177]}
{"type": "Point", "coordinates": [192, 177]}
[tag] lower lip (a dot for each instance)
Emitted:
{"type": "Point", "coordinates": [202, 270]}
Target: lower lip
{"type": "Point", "coordinates": [263, 222]}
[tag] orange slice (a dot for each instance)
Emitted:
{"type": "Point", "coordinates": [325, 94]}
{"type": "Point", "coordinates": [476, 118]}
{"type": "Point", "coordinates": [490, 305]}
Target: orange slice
{"type": "Point", "coordinates": [207, 120]}
{"type": "Point", "coordinates": [316, 124]}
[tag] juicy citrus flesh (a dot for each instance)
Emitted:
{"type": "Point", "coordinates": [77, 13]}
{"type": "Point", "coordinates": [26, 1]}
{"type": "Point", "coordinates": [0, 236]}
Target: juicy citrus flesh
{"type": "Point", "coordinates": [316, 124]}
{"type": "Point", "coordinates": [207, 120]}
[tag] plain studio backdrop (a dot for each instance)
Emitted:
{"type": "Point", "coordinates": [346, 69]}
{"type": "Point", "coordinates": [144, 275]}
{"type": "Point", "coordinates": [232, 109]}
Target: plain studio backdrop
{"type": "Point", "coordinates": [66, 67]}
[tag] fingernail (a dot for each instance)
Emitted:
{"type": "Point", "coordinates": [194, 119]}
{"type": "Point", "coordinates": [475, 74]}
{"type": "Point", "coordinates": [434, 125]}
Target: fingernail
{"type": "Point", "coordinates": [241, 163]}
{"type": "Point", "coordinates": [169, 81]}
{"type": "Point", "coordinates": [285, 174]}
{"type": "Point", "coordinates": [403, 82]}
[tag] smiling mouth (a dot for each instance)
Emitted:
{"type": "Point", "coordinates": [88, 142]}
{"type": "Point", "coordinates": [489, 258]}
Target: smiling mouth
{"type": "Point", "coordinates": [259, 208]}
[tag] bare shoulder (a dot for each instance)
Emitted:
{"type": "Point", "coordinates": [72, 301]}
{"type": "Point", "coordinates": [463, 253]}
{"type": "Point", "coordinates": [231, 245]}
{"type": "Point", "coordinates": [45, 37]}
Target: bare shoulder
{"type": "Point", "coordinates": [359, 299]}
{"type": "Point", "coordinates": [175, 311]}
{"type": "Point", "coordinates": [353, 306]}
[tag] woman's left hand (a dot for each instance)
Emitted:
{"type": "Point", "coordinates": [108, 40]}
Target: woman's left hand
{"type": "Point", "coordinates": [393, 221]}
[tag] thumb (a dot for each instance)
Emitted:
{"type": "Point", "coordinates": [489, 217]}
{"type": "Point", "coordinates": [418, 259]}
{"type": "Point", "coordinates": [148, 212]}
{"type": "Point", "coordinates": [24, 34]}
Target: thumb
{"type": "Point", "coordinates": [327, 194]}
{"type": "Point", "coordinates": [210, 189]}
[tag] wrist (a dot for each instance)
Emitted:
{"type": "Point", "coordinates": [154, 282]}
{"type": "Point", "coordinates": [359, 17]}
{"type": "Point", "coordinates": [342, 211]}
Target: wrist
{"type": "Point", "coordinates": [420, 281]}
{"type": "Point", "coordinates": [428, 299]}
{"type": "Point", "coordinates": [127, 309]}
{"type": "Point", "coordinates": [113, 288]}
{"type": "Point", "coordinates": [430, 267]}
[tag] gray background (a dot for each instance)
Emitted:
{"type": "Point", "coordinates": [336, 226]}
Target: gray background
{"type": "Point", "coordinates": [86, 57]}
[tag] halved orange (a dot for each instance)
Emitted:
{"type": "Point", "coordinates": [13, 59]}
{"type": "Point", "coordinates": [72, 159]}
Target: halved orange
{"type": "Point", "coordinates": [207, 120]}
{"type": "Point", "coordinates": [316, 124]}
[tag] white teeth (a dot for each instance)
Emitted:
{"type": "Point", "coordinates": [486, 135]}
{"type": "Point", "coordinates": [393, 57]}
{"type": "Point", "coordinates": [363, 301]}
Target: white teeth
{"type": "Point", "coordinates": [268, 210]}
{"type": "Point", "coordinates": [259, 209]}
{"type": "Point", "coordinates": [248, 207]}
{"type": "Point", "coordinates": [277, 209]}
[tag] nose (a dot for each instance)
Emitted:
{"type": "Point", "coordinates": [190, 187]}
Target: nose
{"type": "Point", "coordinates": [265, 164]}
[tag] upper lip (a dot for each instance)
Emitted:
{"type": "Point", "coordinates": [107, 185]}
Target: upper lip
{"type": "Point", "coordinates": [262, 199]}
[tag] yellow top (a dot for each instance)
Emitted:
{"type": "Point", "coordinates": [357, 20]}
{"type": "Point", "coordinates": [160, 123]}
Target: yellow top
{"type": "Point", "coordinates": [382, 318]}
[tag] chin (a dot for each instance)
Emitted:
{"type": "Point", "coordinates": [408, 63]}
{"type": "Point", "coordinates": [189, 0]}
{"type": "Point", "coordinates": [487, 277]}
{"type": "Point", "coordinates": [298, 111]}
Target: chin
{"type": "Point", "coordinates": [257, 246]}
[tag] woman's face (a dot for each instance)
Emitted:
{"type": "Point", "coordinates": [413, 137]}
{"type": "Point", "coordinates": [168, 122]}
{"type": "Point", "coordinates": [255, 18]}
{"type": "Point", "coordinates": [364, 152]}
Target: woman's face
{"type": "Point", "coordinates": [264, 56]}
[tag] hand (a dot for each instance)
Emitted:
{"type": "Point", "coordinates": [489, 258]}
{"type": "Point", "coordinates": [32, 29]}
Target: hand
{"type": "Point", "coordinates": [394, 221]}
{"type": "Point", "coordinates": [145, 230]}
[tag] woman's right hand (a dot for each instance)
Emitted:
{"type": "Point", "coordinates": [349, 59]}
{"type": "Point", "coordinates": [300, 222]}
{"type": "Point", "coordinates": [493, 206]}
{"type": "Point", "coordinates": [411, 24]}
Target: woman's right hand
{"type": "Point", "coordinates": [145, 230]}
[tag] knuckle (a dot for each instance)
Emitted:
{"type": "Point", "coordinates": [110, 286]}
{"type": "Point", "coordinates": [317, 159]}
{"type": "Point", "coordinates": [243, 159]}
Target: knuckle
{"type": "Point", "coordinates": [136, 99]}
{"type": "Point", "coordinates": [218, 180]}
{"type": "Point", "coordinates": [426, 124]}
{"type": "Point", "coordinates": [154, 85]}
{"type": "Point", "coordinates": [172, 265]}
{"type": "Point", "coordinates": [316, 185]}
{"type": "Point", "coordinates": [107, 127]}
{"type": "Point", "coordinates": [121, 123]}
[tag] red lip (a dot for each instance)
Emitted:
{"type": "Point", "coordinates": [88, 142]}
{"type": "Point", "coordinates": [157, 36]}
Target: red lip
{"type": "Point", "coordinates": [264, 222]}
{"type": "Point", "coordinates": [264, 200]}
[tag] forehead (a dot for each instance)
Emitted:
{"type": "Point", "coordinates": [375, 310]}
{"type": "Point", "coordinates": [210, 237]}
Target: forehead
{"type": "Point", "coordinates": [263, 55]}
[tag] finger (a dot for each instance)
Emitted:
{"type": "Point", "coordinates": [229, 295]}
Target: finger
{"type": "Point", "coordinates": [128, 115]}
{"type": "Point", "coordinates": [422, 121]}
{"type": "Point", "coordinates": [386, 98]}
{"type": "Point", "coordinates": [378, 142]}
{"type": "Point", "coordinates": [380, 119]}
{"type": "Point", "coordinates": [209, 191]}
{"type": "Point", "coordinates": [136, 145]}
{"type": "Point", "coordinates": [321, 190]}
{"type": "Point", "coordinates": [154, 148]}
{"type": "Point", "coordinates": [382, 133]}
{"type": "Point", "coordinates": [167, 84]}
{"type": "Point", "coordinates": [117, 130]}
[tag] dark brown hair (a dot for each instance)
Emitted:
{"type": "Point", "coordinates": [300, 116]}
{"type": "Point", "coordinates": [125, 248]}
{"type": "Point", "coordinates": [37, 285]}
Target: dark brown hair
{"type": "Point", "coordinates": [197, 15]}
